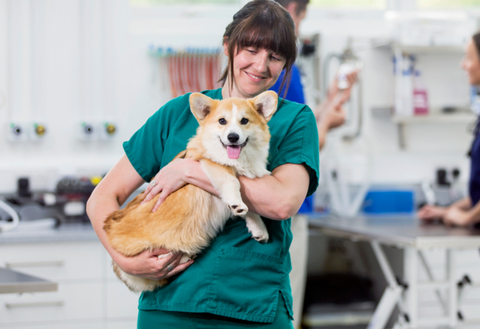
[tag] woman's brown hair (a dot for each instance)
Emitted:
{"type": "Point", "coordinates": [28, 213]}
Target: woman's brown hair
{"type": "Point", "coordinates": [476, 41]}
{"type": "Point", "coordinates": [261, 24]}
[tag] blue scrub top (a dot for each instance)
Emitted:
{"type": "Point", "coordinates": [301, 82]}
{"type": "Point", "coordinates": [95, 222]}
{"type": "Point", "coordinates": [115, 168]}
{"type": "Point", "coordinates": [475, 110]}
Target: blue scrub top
{"type": "Point", "coordinates": [295, 90]}
{"type": "Point", "coordinates": [474, 182]}
{"type": "Point", "coordinates": [294, 94]}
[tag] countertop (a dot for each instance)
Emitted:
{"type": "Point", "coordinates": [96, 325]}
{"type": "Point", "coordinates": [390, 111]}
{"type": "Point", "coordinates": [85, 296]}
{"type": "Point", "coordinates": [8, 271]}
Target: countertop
{"type": "Point", "coordinates": [64, 232]}
{"type": "Point", "coordinates": [16, 282]}
{"type": "Point", "coordinates": [398, 231]}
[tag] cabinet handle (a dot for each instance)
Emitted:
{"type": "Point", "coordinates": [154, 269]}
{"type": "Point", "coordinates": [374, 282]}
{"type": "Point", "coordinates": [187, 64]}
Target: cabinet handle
{"type": "Point", "coordinates": [37, 304]}
{"type": "Point", "coordinates": [36, 264]}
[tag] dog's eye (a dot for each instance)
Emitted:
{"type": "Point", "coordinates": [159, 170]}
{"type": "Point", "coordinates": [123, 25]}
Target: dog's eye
{"type": "Point", "coordinates": [244, 121]}
{"type": "Point", "coordinates": [222, 121]}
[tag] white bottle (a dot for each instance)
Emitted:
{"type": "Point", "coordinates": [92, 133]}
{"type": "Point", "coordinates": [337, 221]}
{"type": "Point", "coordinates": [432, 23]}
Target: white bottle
{"type": "Point", "coordinates": [407, 92]}
{"type": "Point", "coordinates": [403, 86]}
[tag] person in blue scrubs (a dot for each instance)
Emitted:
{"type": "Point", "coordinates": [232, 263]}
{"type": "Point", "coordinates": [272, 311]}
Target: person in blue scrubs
{"type": "Point", "coordinates": [329, 114]}
{"type": "Point", "coordinates": [465, 212]}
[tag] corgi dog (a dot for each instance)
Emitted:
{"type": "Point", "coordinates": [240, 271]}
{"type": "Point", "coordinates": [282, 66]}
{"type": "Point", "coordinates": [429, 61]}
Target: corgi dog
{"type": "Point", "coordinates": [232, 139]}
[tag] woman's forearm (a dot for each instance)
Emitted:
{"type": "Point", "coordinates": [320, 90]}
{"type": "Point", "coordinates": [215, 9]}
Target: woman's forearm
{"type": "Point", "coordinates": [277, 196]}
{"type": "Point", "coordinates": [98, 209]}
{"type": "Point", "coordinates": [108, 196]}
{"type": "Point", "coordinates": [474, 213]}
{"type": "Point", "coordinates": [322, 128]}
{"type": "Point", "coordinates": [464, 204]}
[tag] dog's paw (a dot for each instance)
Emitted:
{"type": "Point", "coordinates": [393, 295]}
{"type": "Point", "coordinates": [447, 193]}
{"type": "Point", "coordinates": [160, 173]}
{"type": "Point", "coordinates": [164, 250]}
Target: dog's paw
{"type": "Point", "coordinates": [260, 236]}
{"type": "Point", "coordinates": [239, 209]}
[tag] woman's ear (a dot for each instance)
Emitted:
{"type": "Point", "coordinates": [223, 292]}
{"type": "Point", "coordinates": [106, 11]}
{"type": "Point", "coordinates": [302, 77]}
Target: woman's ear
{"type": "Point", "coordinates": [266, 104]}
{"type": "Point", "coordinates": [201, 105]}
{"type": "Point", "coordinates": [225, 48]}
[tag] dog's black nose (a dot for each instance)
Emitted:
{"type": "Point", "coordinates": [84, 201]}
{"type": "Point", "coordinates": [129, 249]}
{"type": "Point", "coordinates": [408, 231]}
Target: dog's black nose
{"type": "Point", "coordinates": [233, 138]}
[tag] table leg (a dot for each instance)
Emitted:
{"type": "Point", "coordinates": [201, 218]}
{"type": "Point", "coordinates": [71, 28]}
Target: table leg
{"type": "Point", "coordinates": [392, 294]}
{"type": "Point", "coordinates": [410, 261]}
{"type": "Point", "coordinates": [452, 289]}
{"type": "Point", "coordinates": [431, 278]}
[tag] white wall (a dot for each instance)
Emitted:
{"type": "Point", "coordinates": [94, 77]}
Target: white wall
{"type": "Point", "coordinates": [131, 88]}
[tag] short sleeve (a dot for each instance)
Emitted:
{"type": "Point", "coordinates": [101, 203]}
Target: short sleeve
{"type": "Point", "coordinates": [146, 147]}
{"type": "Point", "coordinates": [300, 146]}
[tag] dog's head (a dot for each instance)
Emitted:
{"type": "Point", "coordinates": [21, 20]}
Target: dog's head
{"type": "Point", "coordinates": [231, 125]}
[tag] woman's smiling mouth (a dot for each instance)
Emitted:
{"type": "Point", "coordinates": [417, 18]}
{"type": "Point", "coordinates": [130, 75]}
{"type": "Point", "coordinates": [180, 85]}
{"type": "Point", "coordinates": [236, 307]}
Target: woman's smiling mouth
{"type": "Point", "coordinates": [255, 77]}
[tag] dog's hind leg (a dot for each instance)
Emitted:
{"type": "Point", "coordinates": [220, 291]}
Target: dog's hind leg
{"type": "Point", "coordinates": [226, 183]}
{"type": "Point", "coordinates": [257, 227]}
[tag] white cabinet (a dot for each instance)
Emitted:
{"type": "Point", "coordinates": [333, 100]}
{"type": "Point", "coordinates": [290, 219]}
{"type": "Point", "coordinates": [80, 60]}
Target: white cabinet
{"type": "Point", "coordinates": [88, 295]}
{"type": "Point", "coordinates": [60, 261]}
{"type": "Point", "coordinates": [70, 302]}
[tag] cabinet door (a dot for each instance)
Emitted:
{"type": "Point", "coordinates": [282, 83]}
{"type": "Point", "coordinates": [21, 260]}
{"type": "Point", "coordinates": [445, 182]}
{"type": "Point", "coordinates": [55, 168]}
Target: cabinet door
{"type": "Point", "coordinates": [55, 261]}
{"type": "Point", "coordinates": [75, 301]}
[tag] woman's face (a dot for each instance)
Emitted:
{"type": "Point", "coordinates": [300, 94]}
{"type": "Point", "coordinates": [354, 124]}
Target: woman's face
{"type": "Point", "coordinates": [255, 70]}
{"type": "Point", "coordinates": [471, 64]}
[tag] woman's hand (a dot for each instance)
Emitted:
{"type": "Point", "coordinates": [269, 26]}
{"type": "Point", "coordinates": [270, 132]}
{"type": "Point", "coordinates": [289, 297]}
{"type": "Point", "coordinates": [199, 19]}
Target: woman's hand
{"type": "Point", "coordinates": [148, 265]}
{"type": "Point", "coordinates": [333, 91]}
{"type": "Point", "coordinates": [168, 180]}
{"type": "Point", "coordinates": [455, 216]}
{"type": "Point", "coordinates": [429, 212]}
{"type": "Point", "coordinates": [331, 112]}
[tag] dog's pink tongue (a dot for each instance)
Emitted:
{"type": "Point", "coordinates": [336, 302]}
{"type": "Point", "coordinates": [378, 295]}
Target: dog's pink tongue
{"type": "Point", "coordinates": [233, 151]}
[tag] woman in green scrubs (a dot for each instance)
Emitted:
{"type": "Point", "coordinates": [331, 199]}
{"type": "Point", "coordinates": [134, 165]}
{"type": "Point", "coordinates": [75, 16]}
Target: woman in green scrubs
{"type": "Point", "coordinates": [236, 282]}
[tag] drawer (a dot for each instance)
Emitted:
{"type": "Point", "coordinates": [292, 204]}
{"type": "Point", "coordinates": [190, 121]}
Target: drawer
{"type": "Point", "coordinates": [71, 302]}
{"type": "Point", "coordinates": [121, 302]}
{"type": "Point", "coordinates": [55, 261]}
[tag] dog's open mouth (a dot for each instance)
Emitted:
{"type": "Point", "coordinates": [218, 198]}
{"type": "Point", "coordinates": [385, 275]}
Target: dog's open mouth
{"type": "Point", "coordinates": [233, 151]}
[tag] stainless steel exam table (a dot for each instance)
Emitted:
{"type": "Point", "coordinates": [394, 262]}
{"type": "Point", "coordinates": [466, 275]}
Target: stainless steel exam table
{"type": "Point", "coordinates": [16, 282]}
{"type": "Point", "coordinates": [408, 234]}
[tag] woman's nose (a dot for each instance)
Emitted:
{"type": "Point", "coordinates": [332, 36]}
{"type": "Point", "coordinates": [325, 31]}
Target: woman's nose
{"type": "Point", "coordinates": [261, 64]}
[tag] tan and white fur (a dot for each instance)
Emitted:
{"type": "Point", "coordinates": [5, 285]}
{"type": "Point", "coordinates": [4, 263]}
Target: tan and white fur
{"type": "Point", "coordinates": [232, 139]}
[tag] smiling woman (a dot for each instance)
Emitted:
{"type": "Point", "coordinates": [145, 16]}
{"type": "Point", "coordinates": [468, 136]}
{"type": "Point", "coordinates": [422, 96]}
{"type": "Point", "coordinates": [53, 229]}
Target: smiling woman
{"type": "Point", "coordinates": [236, 282]}
{"type": "Point", "coordinates": [261, 46]}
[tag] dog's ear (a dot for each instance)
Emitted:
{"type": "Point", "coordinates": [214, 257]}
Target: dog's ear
{"type": "Point", "coordinates": [266, 104]}
{"type": "Point", "coordinates": [201, 105]}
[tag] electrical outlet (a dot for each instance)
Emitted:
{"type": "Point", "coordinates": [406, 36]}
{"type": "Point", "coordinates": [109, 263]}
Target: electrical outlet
{"type": "Point", "coordinates": [87, 131]}
{"type": "Point", "coordinates": [17, 132]}
{"type": "Point", "coordinates": [38, 131]}
{"type": "Point", "coordinates": [107, 130]}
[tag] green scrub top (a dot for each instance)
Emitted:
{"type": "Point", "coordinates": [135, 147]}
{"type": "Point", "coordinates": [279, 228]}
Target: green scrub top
{"type": "Point", "coordinates": [235, 276]}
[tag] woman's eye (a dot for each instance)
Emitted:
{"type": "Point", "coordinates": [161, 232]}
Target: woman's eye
{"type": "Point", "coordinates": [244, 121]}
{"type": "Point", "coordinates": [253, 51]}
{"type": "Point", "coordinates": [222, 121]}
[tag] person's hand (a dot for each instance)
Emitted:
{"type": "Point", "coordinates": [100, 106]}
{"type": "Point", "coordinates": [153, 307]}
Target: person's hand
{"type": "Point", "coordinates": [429, 212]}
{"type": "Point", "coordinates": [334, 116]}
{"type": "Point", "coordinates": [455, 216]}
{"type": "Point", "coordinates": [148, 265]}
{"type": "Point", "coordinates": [168, 180]}
{"type": "Point", "coordinates": [332, 113]}
{"type": "Point", "coordinates": [333, 91]}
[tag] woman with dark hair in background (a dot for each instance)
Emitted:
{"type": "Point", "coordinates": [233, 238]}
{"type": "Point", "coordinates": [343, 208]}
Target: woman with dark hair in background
{"type": "Point", "coordinates": [236, 282]}
{"type": "Point", "coordinates": [465, 212]}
